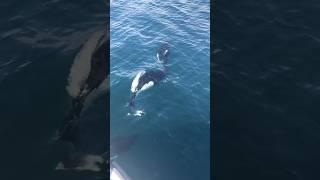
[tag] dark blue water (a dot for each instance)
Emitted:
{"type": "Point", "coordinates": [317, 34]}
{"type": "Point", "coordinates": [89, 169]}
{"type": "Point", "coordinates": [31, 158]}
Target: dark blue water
{"type": "Point", "coordinates": [266, 89]}
{"type": "Point", "coordinates": [39, 40]}
{"type": "Point", "coordinates": [174, 134]}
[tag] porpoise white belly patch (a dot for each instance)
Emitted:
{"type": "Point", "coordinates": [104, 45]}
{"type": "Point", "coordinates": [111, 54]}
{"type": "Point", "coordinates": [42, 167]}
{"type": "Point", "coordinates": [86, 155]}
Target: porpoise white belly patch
{"type": "Point", "coordinates": [81, 66]}
{"type": "Point", "coordinates": [135, 81]}
{"type": "Point", "coordinates": [147, 85]}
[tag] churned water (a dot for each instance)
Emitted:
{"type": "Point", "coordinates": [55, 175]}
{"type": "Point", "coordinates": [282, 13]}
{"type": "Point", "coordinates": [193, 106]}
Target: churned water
{"type": "Point", "coordinates": [173, 136]}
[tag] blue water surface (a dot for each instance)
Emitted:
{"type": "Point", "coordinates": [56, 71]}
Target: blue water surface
{"type": "Point", "coordinates": [174, 140]}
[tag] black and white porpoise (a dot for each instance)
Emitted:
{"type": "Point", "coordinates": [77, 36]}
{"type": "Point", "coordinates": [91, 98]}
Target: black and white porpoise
{"type": "Point", "coordinates": [86, 127]}
{"type": "Point", "coordinates": [146, 79]}
{"type": "Point", "coordinates": [87, 79]}
{"type": "Point", "coordinates": [85, 132]}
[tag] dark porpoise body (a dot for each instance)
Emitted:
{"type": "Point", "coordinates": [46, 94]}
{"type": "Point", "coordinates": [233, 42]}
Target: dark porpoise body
{"type": "Point", "coordinates": [93, 77]}
{"type": "Point", "coordinates": [163, 53]}
{"type": "Point", "coordinates": [85, 131]}
{"type": "Point", "coordinates": [146, 79]}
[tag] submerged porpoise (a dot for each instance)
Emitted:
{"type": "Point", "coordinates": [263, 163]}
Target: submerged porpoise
{"type": "Point", "coordinates": [88, 74]}
{"type": "Point", "coordinates": [85, 129]}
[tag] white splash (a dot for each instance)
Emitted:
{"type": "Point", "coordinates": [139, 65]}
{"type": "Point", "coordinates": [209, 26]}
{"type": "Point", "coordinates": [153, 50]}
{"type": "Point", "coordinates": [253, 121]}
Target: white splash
{"type": "Point", "coordinates": [137, 113]}
{"type": "Point", "coordinates": [87, 163]}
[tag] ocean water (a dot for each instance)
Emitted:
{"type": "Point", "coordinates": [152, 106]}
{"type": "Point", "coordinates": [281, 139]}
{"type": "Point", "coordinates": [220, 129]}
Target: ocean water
{"type": "Point", "coordinates": [265, 72]}
{"type": "Point", "coordinates": [38, 43]}
{"type": "Point", "coordinates": [265, 86]}
{"type": "Point", "coordinates": [174, 134]}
